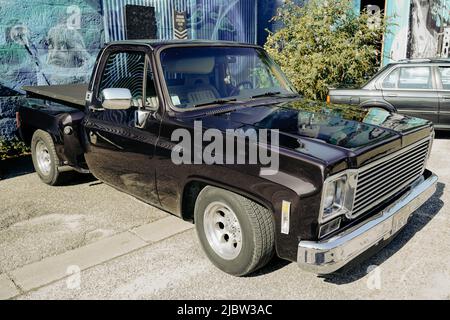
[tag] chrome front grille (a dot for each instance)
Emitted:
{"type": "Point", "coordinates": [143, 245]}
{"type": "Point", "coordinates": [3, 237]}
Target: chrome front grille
{"type": "Point", "coordinates": [385, 177]}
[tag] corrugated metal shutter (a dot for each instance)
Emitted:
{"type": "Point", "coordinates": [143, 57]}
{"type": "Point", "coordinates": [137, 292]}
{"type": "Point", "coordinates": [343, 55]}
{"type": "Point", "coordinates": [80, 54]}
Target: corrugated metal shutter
{"type": "Point", "coordinates": [233, 20]}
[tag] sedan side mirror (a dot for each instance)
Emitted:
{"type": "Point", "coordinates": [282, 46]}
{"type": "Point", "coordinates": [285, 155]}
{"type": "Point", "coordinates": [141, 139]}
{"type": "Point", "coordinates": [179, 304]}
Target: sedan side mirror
{"type": "Point", "coordinates": [116, 98]}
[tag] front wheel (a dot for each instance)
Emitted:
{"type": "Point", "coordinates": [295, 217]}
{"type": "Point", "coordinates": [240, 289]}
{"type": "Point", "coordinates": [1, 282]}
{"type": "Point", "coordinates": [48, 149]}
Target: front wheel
{"type": "Point", "coordinates": [236, 233]}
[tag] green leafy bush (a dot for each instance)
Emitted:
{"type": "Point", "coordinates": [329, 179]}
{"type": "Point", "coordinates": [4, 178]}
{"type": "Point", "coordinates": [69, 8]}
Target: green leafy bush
{"type": "Point", "coordinates": [12, 148]}
{"type": "Point", "coordinates": [324, 44]}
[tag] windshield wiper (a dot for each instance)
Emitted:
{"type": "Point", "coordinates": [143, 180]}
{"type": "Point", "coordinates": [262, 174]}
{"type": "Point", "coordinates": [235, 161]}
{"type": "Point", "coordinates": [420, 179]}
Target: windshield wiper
{"type": "Point", "coordinates": [267, 94]}
{"type": "Point", "coordinates": [273, 94]}
{"type": "Point", "coordinates": [218, 101]}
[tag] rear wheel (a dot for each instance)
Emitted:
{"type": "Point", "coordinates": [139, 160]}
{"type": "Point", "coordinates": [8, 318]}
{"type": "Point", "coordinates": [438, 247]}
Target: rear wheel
{"type": "Point", "coordinates": [236, 233]}
{"type": "Point", "coordinates": [45, 159]}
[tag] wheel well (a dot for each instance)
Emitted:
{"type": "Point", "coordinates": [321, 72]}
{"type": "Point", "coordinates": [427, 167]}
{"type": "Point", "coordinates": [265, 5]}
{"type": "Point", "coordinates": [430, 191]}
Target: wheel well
{"type": "Point", "coordinates": [26, 133]}
{"type": "Point", "coordinates": [385, 107]}
{"type": "Point", "coordinates": [190, 194]}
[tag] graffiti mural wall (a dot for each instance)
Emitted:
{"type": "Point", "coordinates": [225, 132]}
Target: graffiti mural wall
{"type": "Point", "coordinates": [43, 42]}
{"type": "Point", "coordinates": [420, 30]}
{"type": "Point", "coordinates": [430, 20]}
{"type": "Point", "coordinates": [47, 44]}
{"type": "Point", "coordinates": [57, 41]}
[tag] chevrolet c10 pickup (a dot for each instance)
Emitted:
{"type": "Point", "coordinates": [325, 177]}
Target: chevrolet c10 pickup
{"type": "Point", "coordinates": [328, 182]}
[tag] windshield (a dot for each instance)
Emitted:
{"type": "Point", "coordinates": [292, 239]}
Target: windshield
{"type": "Point", "coordinates": [202, 76]}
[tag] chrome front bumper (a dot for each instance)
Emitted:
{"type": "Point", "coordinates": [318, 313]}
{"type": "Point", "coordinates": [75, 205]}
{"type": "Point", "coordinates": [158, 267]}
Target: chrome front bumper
{"type": "Point", "coordinates": [330, 255]}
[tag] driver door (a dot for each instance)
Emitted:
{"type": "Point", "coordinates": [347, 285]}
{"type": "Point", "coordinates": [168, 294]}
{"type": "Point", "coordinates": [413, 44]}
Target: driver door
{"type": "Point", "coordinates": [120, 150]}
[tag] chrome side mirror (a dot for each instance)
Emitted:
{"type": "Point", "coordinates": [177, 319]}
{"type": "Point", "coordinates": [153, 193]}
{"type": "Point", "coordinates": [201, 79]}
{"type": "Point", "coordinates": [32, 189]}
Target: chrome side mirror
{"type": "Point", "coordinates": [116, 98]}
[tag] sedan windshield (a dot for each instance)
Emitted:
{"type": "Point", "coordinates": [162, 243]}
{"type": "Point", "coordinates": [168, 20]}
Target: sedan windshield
{"type": "Point", "coordinates": [206, 76]}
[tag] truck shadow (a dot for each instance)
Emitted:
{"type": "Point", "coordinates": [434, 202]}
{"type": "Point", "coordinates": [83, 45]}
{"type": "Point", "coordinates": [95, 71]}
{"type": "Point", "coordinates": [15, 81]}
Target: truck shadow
{"type": "Point", "coordinates": [442, 134]}
{"type": "Point", "coordinates": [361, 266]}
{"type": "Point", "coordinates": [11, 168]}
{"type": "Point", "coordinates": [274, 265]}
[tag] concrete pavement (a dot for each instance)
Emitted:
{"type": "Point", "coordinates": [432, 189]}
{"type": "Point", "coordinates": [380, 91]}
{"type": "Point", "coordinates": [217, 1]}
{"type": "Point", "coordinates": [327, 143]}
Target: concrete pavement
{"type": "Point", "coordinates": [38, 221]}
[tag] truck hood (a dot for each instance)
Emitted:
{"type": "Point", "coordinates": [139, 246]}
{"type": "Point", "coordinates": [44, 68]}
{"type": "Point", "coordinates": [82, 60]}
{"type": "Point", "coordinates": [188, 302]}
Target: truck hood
{"type": "Point", "coordinates": [330, 133]}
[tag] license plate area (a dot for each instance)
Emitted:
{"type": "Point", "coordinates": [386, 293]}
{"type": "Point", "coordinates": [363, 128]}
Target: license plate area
{"type": "Point", "coordinates": [401, 219]}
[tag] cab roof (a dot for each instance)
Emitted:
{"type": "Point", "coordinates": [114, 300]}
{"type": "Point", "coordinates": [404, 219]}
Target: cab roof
{"type": "Point", "coordinates": [422, 61]}
{"type": "Point", "coordinates": [155, 44]}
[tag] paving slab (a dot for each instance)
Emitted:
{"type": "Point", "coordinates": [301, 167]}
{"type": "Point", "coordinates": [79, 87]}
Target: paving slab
{"type": "Point", "coordinates": [7, 288]}
{"type": "Point", "coordinates": [57, 267]}
{"type": "Point", "coordinates": [162, 229]}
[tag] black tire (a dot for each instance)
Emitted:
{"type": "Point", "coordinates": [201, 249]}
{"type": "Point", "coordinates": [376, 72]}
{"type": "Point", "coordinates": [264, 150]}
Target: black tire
{"type": "Point", "coordinates": [53, 176]}
{"type": "Point", "coordinates": [256, 226]}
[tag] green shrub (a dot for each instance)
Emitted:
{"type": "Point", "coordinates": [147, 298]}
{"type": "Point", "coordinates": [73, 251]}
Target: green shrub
{"type": "Point", "coordinates": [12, 148]}
{"type": "Point", "coordinates": [324, 44]}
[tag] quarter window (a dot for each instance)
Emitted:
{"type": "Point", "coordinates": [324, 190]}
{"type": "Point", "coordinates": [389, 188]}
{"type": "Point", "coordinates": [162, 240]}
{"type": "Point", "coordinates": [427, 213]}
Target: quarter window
{"type": "Point", "coordinates": [445, 77]}
{"type": "Point", "coordinates": [151, 100]}
{"type": "Point", "coordinates": [391, 81]}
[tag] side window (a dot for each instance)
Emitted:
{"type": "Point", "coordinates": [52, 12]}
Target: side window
{"type": "Point", "coordinates": [445, 77]}
{"type": "Point", "coordinates": [125, 70]}
{"type": "Point", "coordinates": [391, 81]}
{"type": "Point", "coordinates": [415, 78]}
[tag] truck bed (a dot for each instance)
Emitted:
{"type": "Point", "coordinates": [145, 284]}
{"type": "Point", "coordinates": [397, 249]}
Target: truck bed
{"type": "Point", "coordinates": [72, 94]}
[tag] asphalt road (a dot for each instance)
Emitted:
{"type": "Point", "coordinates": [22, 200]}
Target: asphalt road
{"type": "Point", "coordinates": [38, 222]}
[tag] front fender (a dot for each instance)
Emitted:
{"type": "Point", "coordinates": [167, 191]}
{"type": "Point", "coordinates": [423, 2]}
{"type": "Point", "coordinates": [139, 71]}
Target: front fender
{"type": "Point", "coordinates": [303, 196]}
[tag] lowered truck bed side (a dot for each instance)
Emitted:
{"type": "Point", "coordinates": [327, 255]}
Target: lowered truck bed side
{"type": "Point", "coordinates": [69, 94]}
{"type": "Point", "coordinates": [59, 111]}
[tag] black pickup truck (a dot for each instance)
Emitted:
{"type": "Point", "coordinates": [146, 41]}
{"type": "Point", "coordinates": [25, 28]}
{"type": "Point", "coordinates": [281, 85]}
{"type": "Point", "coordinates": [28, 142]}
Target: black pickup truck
{"type": "Point", "coordinates": [346, 179]}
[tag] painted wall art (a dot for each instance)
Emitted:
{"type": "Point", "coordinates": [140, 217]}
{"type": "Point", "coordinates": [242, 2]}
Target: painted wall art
{"type": "Point", "coordinates": [57, 41]}
{"type": "Point", "coordinates": [44, 42]}
{"type": "Point", "coordinates": [420, 29]}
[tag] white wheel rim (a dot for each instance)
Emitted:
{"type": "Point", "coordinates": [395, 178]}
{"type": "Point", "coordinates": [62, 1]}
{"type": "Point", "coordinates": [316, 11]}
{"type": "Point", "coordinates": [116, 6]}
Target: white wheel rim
{"type": "Point", "coordinates": [43, 158]}
{"type": "Point", "coordinates": [222, 230]}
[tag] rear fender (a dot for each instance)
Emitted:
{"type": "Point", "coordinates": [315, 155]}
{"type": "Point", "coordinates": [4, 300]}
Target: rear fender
{"type": "Point", "coordinates": [70, 131]}
{"type": "Point", "coordinates": [61, 122]}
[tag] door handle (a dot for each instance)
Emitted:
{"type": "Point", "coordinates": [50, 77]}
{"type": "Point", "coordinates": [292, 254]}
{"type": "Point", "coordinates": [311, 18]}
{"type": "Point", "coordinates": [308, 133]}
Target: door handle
{"type": "Point", "coordinates": [446, 97]}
